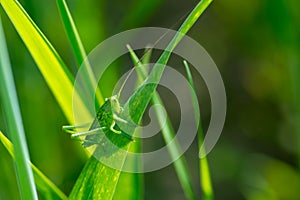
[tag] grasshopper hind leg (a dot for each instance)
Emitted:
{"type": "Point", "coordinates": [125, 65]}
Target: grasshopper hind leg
{"type": "Point", "coordinates": [120, 132]}
{"type": "Point", "coordinates": [113, 129]}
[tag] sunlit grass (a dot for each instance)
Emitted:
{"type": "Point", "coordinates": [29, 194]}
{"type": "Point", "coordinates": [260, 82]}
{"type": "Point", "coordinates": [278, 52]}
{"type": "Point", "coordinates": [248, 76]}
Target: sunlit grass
{"type": "Point", "coordinates": [52, 67]}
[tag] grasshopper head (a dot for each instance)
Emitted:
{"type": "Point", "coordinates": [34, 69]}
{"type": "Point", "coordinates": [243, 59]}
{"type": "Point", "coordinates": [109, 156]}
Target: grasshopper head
{"type": "Point", "coordinates": [115, 105]}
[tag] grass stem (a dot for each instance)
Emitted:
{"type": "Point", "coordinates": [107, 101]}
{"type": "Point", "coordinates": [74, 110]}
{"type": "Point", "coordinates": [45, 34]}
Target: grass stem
{"type": "Point", "coordinates": [15, 124]}
{"type": "Point", "coordinates": [207, 189]}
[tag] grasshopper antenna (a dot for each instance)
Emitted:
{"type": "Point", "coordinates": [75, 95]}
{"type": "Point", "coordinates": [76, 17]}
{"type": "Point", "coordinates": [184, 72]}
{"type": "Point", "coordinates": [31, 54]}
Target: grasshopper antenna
{"type": "Point", "coordinates": [123, 84]}
{"type": "Point", "coordinates": [136, 64]}
{"type": "Point", "coordinates": [147, 50]}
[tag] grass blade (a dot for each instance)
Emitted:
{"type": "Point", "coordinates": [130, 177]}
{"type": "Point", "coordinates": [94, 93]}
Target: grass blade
{"type": "Point", "coordinates": [96, 179]}
{"type": "Point", "coordinates": [52, 67]}
{"type": "Point", "coordinates": [77, 47]}
{"type": "Point", "coordinates": [139, 106]}
{"type": "Point", "coordinates": [48, 189]}
{"type": "Point", "coordinates": [207, 189]}
{"type": "Point", "coordinates": [71, 31]}
{"type": "Point", "coordinates": [168, 134]}
{"type": "Point", "coordinates": [15, 124]}
{"type": "Point", "coordinates": [134, 182]}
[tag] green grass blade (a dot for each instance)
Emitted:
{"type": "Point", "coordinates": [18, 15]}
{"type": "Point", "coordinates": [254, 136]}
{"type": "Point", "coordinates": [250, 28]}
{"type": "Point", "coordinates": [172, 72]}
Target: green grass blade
{"type": "Point", "coordinates": [15, 124]}
{"type": "Point", "coordinates": [45, 187]}
{"type": "Point", "coordinates": [139, 105]}
{"type": "Point", "coordinates": [71, 31]}
{"type": "Point", "coordinates": [99, 181]}
{"type": "Point", "coordinates": [134, 182]}
{"type": "Point", "coordinates": [147, 57]}
{"type": "Point", "coordinates": [77, 47]}
{"type": "Point", "coordinates": [52, 67]}
{"type": "Point", "coordinates": [207, 189]}
{"type": "Point", "coordinates": [168, 135]}
{"type": "Point", "coordinates": [96, 181]}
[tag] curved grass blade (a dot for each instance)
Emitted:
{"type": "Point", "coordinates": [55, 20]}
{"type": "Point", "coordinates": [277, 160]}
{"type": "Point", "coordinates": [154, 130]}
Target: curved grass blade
{"type": "Point", "coordinates": [77, 47]}
{"type": "Point", "coordinates": [15, 124]}
{"type": "Point", "coordinates": [47, 188]}
{"type": "Point", "coordinates": [99, 181]}
{"type": "Point", "coordinates": [168, 134]}
{"type": "Point", "coordinates": [50, 64]}
{"type": "Point", "coordinates": [136, 105]}
{"type": "Point", "coordinates": [134, 180]}
{"type": "Point", "coordinates": [207, 189]}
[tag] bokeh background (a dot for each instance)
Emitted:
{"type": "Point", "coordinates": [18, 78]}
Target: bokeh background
{"type": "Point", "coordinates": [256, 46]}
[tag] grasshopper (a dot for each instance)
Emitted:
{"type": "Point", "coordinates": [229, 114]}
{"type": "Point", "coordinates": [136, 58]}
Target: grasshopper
{"type": "Point", "coordinates": [107, 116]}
{"type": "Point", "coordinates": [104, 123]}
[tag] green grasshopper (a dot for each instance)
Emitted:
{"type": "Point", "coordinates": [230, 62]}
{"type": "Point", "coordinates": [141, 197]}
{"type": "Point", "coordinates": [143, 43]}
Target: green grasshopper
{"type": "Point", "coordinates": [111, 111]}
{"type": "Point", "coordinates": [104, 123]}
{"type": "Point", "coordinates": [107, 116]}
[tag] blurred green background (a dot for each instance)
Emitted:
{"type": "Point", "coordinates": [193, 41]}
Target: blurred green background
{"type": "Point", "coordinates": [256, 46]}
